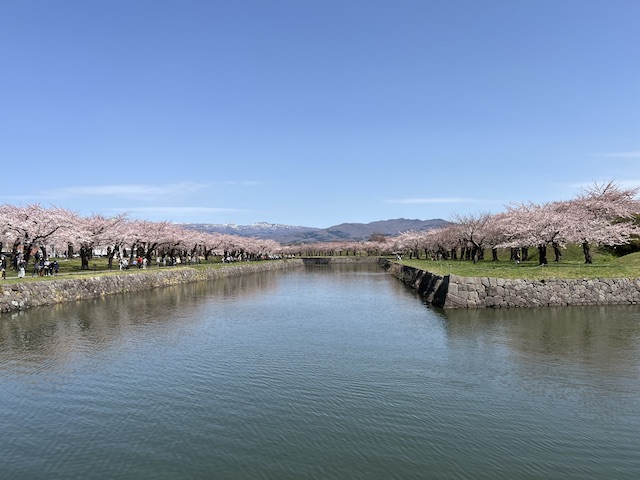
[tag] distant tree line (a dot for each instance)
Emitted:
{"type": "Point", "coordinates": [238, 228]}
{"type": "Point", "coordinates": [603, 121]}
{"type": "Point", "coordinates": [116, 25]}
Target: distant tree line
{"type": "Point", "coordinates": [604, 214]}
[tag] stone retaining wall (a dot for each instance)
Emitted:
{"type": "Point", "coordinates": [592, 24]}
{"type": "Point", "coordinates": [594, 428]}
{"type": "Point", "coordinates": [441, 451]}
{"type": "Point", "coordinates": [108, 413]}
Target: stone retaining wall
{"type": "Point", "coordinates": [19, 296]}
{"type": "Point", "coordinates": [452, 291]}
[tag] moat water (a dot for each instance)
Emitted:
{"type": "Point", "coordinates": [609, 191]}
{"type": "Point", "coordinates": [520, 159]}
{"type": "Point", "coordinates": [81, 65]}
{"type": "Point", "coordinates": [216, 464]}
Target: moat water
{"type": "Point", "coordinates": [319, 372]}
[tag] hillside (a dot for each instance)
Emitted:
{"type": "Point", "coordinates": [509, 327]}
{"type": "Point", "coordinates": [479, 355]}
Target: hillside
{"type": "Point", "coordinates": [288, 234]}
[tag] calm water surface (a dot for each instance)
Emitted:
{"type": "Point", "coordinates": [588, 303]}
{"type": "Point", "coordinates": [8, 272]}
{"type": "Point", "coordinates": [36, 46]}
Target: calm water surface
{"type": "Point", "coordinates": [323, 372]}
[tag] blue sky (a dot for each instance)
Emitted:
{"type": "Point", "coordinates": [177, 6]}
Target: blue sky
{"type": "Point", "coordinates": [316, 112]}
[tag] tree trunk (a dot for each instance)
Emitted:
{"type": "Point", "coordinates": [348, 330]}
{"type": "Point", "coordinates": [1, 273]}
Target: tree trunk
{"type": "Point", "coordinates": [494, 254]}
{"type": "Point", "coordinates": [525, 254]}
{"type": "Point", "coordinates": [110, 254]}
{"type": "Point", "coordinates": [149, 253]}
{"type": "Point", "coordinates": [85, 256]}
{"type": "Point", "coordinates": [587, 253]}
{"type": "Point", "coordinates": [557, 252]}
{"type": "Point", "coordinates": [26, 252]}
{"type": "Point", "coordinates": [542, 250]}
{"type": "Point", "coordinates": [14, 255]}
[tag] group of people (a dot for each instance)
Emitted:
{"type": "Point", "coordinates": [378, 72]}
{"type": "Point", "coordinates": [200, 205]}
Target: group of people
{"type": "Point", "coordinates": [45, 267]}
{"type": "Point", "coordinates": [161, 261]}
{"type": "Point", "coordinates": [41, 266]}
{"type": "Point", "coordinates": [136, 262]}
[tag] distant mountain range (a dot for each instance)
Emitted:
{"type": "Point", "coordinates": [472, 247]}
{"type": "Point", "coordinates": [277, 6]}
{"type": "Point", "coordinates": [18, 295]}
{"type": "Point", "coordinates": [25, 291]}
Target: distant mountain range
{"type": "Point", "coordinates": [287, 234]}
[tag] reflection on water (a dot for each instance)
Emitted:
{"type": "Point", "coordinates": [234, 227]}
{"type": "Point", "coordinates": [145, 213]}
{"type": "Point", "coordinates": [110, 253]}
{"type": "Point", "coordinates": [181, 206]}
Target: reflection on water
{"type": "Point", "coordinates": [50, 333]}
{"type": "Point", "coordinates": [603, 338]}
{"type": "Point", "coordinates": [586, 355]}
{"type": "Point", "coordinates": [322, 372]}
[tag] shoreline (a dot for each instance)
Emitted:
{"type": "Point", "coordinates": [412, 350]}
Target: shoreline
{"type": "Point", "coordinates": [444, 291]}
{"type": "Point", "coordinates": [453, 291]}
{"type": "Point", "coordinates": [15, 297]}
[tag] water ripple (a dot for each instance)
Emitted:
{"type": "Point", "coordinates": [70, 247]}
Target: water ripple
{"type": "Point", "coordinates": [306, 375]}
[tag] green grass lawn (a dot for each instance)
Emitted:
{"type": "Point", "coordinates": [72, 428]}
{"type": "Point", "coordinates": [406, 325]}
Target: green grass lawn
{"type": "Point", "coordinates": [572, 265]}
{"type": "Point", "coordinates": [97, 266]}
{"type": "Point", "coordinates": [605, 265]}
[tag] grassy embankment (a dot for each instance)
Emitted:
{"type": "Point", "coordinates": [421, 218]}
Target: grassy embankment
{"type": "Point", "coordinates": [572, 265]}
{"type": "Point", "coordinates": [98, 266]}
{"type": "Point", "coordinates": [605, 265]}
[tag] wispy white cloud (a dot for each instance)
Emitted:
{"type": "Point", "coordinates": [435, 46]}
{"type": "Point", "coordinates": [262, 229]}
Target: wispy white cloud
{"type": "Point", "coordinates": [173, 212]}
{"type": "Point", "coordinates": [183, 210]}
{"type": "Point", "coordinates": [130, 191]}
{"type": "Point", "coordinates": [408, 201]}
{"type": "Point", "coordinates": [635, 154]}
{"type": "Point", "coordinates": [126, 191]}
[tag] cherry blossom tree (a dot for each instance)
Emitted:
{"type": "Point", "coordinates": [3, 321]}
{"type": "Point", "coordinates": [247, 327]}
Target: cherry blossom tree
{"type": "Point", "coordinates": [449, 238]}
{"type": "Point", "coordinates": [438, 242]}
{"type": "Point", "coordinates": [603, 213]}
{"type": "Point", "coordinates": [538, 225]}
{"type": "Point", "coordinates": [151, 235]}
{"type": "Point", "coordinates": [173, 243]}
{"type": "Point", "coordinates": [33, 226]}
{"type": "Point", "coordinates": [205, 244]}
{"type": "Point", "coordinates": [410, 242]}
{"type": "Point", "coordinates": [4, 231]}
{"type": "Point", "coordinates": [94, 231]}
{"type": "Point", "coordinates": [120, 235]}
{"type": "Point", "coordinates": [474, 230]}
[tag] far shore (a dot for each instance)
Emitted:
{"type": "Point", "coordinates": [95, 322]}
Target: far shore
{"type": "Point", "coordinates": [74, 284]}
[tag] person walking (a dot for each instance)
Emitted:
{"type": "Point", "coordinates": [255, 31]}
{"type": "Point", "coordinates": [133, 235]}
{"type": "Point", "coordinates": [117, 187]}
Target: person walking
{"type": "Point", "coordinates": [21, 269]}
